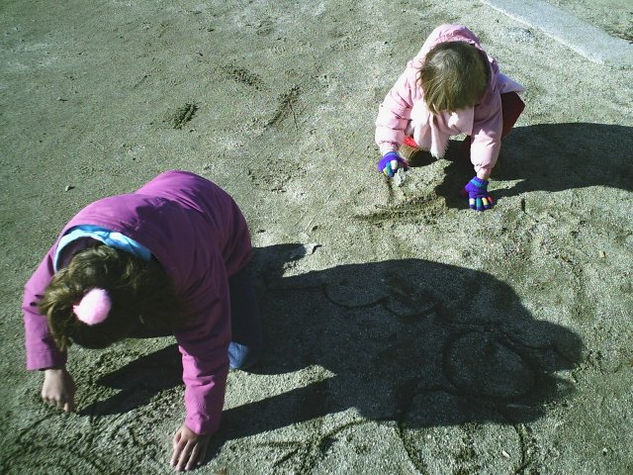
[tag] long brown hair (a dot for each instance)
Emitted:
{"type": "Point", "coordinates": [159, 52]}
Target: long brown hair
{"type": "Point", "coordinates": [454, 76]}
{"type": "Point", "coordinates": [142, 295]}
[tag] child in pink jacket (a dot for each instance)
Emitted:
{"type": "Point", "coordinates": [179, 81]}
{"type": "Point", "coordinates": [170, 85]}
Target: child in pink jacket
{"type": "Point", "coordinates": [169, 258]}
{"type": "Point", "coordinates": [451, 87]}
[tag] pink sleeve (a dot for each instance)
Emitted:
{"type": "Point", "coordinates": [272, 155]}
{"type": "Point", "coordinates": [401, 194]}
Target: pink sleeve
{"type": "Point", "coordinates": [41, 350]}
{"type": "Point", "coordinates": [204, 372]}
{"type": "Point", "coordinates": [394, 112]}
{"type": "Point", "coordinates": [486, 137]}
{"type": "Point", "coordinates": [204, 350]}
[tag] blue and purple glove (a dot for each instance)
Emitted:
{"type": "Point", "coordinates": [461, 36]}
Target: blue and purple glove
{"type": "Point", "coordinates": [478, 196]}
{"type": "Point", "coordinates": [390, 163]}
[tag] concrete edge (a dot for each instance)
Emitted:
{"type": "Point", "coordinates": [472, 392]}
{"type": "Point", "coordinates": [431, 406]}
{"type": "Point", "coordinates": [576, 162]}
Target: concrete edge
{"type": "Point", "coordinates": [585, 39]}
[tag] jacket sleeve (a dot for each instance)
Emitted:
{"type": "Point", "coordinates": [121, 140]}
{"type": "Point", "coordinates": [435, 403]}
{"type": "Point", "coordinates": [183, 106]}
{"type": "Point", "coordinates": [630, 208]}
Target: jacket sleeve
{"type": "Point", "coordinates": [395, 112]}
{"type": "Point", "coordinates": [204, 350]}
{"type": "Point", "coordinates": [41, 350]}
{"type": "Point", "coordinates": [486, 137]}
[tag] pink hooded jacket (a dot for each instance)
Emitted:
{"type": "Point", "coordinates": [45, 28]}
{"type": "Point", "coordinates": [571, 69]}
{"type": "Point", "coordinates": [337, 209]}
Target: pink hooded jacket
{"type": "Point", "coordinates": [198, 234]}
{"type": "Point", "coordinates": [404, 112]}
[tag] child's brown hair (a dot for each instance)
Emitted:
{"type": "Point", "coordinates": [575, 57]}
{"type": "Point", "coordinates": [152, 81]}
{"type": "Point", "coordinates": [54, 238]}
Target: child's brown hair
{"type": "Point", "coordinates": [454, 76]}
{"type": "Point", "coordinates": [141, 293]}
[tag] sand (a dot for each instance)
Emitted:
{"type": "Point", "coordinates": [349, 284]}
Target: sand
{"type": "Point", "coordinates": [405, 333]}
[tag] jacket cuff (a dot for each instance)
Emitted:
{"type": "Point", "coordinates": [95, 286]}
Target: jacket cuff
{"type": "Point", "coordinates": [202, 425]}
{"type": "Point", "coordinates": [385, 148]}
{"type": "Point", "coordinates": [45, 361]}
{"type": "Point", "coordinates": [393, 154]}
{"type": "Point", "coordinates": [478, 182]}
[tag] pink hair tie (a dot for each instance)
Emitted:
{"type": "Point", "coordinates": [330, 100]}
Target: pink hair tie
{"type": "Point", "coordinates": [93, 307]}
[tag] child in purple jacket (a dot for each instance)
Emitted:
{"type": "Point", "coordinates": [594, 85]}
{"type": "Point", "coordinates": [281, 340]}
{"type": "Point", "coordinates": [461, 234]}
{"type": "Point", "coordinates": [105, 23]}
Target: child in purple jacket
{"type": "Point", "coordinates": [451, 87]}
{"type": "Point", "coordinates": [168, 258]}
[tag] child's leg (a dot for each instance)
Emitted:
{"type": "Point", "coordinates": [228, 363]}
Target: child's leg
{"type": "Point", "coordinates": [413, 154]}
{"type": "Point", "coordinates": [410, 142]}
{"type": "Point", "coordinates": [246, 342]}
{"type": "Point", "coordinates": [512, 106]}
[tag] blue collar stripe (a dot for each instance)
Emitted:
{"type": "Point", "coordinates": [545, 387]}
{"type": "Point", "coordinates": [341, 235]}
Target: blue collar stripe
{"type": "Point", "coordinates": [107, 237]}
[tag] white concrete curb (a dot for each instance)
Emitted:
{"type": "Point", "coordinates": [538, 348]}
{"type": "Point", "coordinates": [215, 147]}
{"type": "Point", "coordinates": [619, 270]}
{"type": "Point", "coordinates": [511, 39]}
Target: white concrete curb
{"type": "Point", "coordinates": [587, 40]}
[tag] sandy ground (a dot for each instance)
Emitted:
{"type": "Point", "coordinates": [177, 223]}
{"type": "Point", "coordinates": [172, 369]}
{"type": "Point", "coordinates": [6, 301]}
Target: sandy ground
{"type": "Point", "coordinates": [405, 333]}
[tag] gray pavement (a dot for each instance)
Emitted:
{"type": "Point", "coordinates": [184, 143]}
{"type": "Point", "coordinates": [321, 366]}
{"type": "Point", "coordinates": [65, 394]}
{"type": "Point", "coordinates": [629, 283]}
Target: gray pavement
{"type": "Point", "coordinates": [579, 35]}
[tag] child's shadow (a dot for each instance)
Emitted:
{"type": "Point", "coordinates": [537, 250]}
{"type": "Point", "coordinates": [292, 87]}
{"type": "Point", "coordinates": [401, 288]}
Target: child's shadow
{"type": "Point", "coordinates": [550, 157]}
{"type": "Point", "coordinates": [412, 341]}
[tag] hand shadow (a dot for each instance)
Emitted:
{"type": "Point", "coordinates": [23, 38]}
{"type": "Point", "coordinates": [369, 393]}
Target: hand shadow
{"type": "Point", "coordinates": [550, 157]}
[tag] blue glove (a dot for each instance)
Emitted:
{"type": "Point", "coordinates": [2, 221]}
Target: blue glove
{"type": "Point", "coordinates": [390, 163]}
{"type": "Point", "coordinates": [478, 196]}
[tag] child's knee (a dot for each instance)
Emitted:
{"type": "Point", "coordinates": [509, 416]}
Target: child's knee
{"type": "Point", "coordinates": [243, 356]}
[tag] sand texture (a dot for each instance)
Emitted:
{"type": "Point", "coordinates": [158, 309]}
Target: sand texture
{"type": "Point", "coordinates": [405, 333]}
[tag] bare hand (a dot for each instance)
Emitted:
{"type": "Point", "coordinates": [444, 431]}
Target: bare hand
{"type": "Point", "coordinates": [58, 389]}
{"type": "Point", "coordinates": [189, 449]}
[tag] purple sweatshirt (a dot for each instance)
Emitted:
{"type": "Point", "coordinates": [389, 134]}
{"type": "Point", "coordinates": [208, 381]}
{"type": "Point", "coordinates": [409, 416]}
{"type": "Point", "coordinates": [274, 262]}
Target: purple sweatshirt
{"type": "Point", "coordinates": [198, 234]}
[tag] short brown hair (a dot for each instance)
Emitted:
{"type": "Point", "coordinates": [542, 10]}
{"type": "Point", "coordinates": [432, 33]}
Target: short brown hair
{"type": "Point", "coordinates": [141, 294]}
{"type": "Point", "coordinates": [454, 76]}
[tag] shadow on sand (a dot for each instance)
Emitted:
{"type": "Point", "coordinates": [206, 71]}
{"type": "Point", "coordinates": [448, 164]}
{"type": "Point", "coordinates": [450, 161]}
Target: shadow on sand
{"type": "Point", "coordinates": [412, 341]}
{"type": "Point", "coordinates": [550, 157]}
